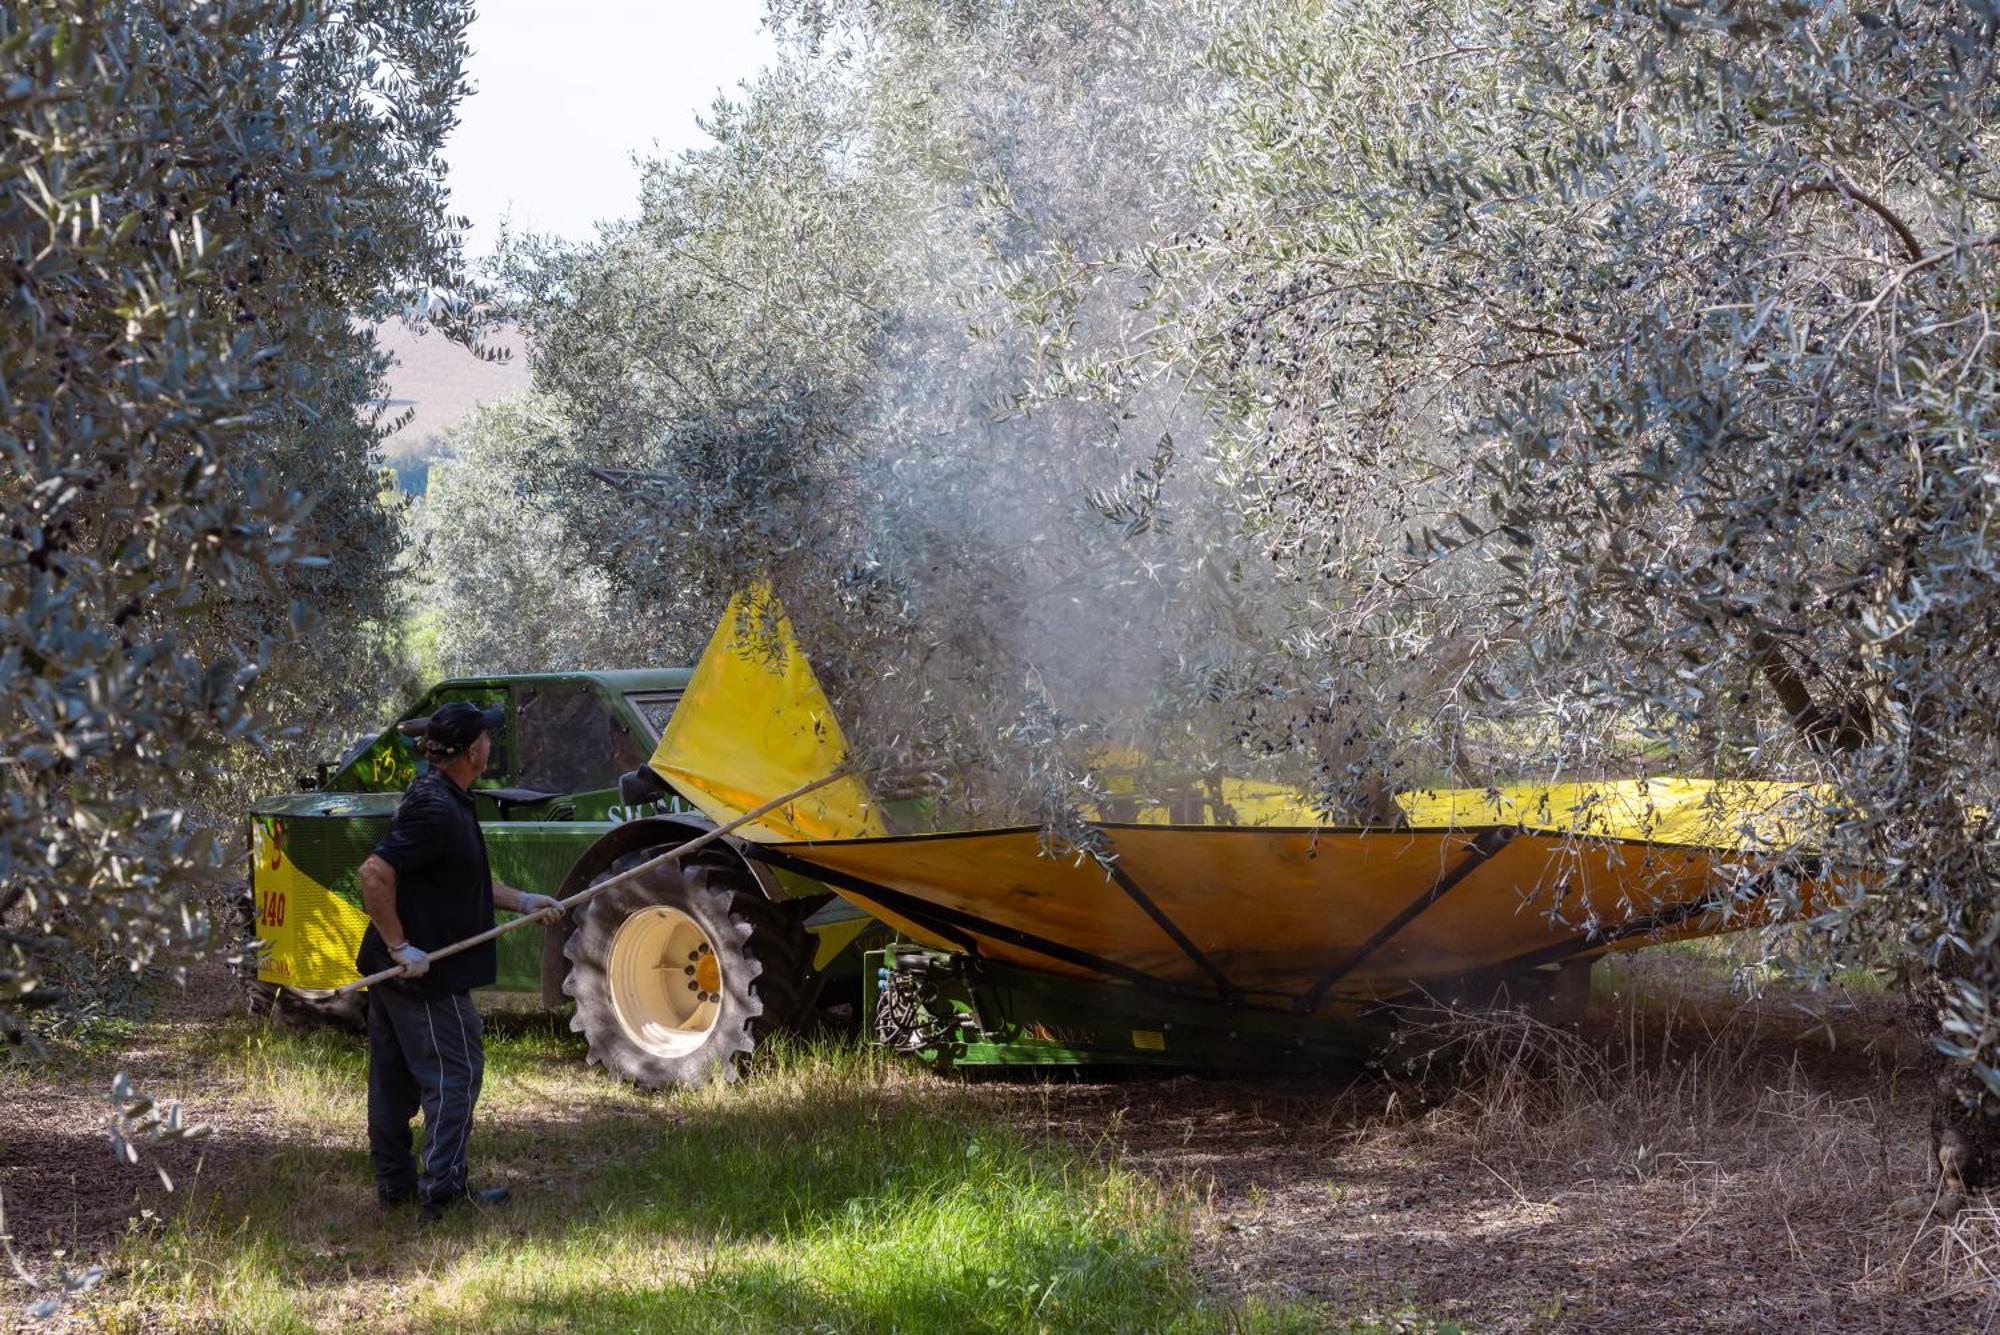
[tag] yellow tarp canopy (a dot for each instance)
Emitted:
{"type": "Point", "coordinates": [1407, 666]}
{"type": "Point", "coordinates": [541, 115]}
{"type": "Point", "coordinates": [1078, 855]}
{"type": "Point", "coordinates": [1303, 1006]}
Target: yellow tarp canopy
{"type": "Point", "coordinates": [1275, 901]}
{"type": "Point", "coordinates": [1276, 910]}
{"type": "Point", "coordinates": [1695, 813]}
{"type": "Point", "coordinates": [754, 723]}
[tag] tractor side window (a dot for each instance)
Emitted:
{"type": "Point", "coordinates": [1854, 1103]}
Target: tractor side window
{"type": "Point", "coordinates": [570, 742]}
{"type": "Point", "coordinates": [656, 707]}
{"type": "Point", "coordinates": [628, 752]}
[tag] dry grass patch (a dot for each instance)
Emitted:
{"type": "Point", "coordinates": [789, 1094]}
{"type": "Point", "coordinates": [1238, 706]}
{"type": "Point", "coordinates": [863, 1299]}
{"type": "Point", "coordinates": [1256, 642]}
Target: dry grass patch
{"type": "Point", "coordinates": [1685, 1160]}
{"type": "Point", "coordinates": [1965, 1258]}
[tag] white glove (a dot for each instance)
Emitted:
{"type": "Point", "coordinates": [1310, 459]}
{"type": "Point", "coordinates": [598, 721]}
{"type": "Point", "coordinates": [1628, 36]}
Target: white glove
{"type": "Point", "coordinates": [414, 961]}
{"type": "Point", "coordinates": [533, 904]}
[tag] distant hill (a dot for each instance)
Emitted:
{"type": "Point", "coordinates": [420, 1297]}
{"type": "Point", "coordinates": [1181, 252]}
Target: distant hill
{"type": "Point", "coordinates": [442, 382]}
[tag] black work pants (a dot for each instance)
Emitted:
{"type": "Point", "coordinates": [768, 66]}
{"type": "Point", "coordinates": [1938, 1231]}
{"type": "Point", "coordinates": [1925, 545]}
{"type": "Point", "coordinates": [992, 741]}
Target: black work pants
{"type": "Point", "coordinates": [422, 1053]}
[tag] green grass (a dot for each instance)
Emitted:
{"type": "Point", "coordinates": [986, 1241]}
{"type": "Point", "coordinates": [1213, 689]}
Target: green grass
{"type": "Point", "coordinates": [834, 1191]}
{"type": "Point", "coordinates": [1719, 964]}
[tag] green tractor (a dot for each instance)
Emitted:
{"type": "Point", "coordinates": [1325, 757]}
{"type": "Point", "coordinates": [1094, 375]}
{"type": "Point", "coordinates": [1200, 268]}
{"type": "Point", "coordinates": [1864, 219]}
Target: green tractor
{"type": "Point", "coordinates": [675, 976]}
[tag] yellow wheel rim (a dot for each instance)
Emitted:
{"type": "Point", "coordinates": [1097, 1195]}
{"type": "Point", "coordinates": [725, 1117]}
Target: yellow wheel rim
{"type": "Point", "coordinates": [666, 983]}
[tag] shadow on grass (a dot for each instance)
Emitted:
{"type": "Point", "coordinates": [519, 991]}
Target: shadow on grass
{"type": "Point", "coordinates": [543, 1025]}
{"type": "Point", "coordinates": [828, 1193]}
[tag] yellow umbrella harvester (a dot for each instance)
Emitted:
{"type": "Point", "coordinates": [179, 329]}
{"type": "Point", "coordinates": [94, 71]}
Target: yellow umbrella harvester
{"type": "Point", "coordinates": [1223, 943]}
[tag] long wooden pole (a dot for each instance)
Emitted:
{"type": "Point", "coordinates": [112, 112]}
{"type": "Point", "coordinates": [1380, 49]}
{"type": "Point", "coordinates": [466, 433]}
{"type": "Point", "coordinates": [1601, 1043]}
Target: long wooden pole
{"type": "Point", "coordinates": [589, 892]}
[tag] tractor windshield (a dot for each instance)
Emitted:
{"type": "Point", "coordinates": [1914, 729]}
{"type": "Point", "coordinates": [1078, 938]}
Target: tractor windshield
{"type": "Point", "coordinates": [570, 741]}
{"type": "Point", "coordinates": [655, 707]}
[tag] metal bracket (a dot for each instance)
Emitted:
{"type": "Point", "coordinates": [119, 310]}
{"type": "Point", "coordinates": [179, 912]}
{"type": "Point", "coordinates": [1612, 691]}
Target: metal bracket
{"type": "Point", "coordinates": [1484, 846]}
{"type": "Point", "coordinates": [1224, 988]}
{"type": "Point", "coordinates": [958, 926]}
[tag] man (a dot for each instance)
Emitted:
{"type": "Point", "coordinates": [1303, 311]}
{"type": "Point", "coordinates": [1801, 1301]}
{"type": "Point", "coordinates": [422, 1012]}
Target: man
{"type": "Point", "coordinates": [427, 885]}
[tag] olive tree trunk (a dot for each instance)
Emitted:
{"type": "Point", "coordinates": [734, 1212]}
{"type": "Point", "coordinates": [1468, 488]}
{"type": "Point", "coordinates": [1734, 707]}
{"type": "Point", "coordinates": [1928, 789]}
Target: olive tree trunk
{"type": "Point", "coordinates": [1965, 1116]}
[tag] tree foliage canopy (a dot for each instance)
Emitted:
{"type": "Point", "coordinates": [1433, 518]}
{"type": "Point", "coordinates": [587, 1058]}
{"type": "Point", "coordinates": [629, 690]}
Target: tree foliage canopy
{"type": "Point", "coordinates": [199, 205]}
{"type": "Point", "coordinates": [1355, 395]}
{"type": "Point", "coordinates": [1698, 304]}
{"type": "Point", "coordinates": [503, 587]}
{"type": "Point", "coordinates": [1365, 395]}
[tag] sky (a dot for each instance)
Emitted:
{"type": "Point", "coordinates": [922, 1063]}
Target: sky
{"type": "Point", "coordinates": [566, 91]}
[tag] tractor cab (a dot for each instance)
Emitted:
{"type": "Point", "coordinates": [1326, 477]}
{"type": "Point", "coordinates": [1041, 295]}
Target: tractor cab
{"type": "Point", "coordinates": [550, 790]}
{"type": "Point", "coordinates": [567, 741]}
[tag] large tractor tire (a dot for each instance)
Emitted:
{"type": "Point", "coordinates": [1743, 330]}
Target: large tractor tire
{"type": "Point", "coordinates": [302, 1007]}
{"type": "Point", "coordinates": [679, 974]}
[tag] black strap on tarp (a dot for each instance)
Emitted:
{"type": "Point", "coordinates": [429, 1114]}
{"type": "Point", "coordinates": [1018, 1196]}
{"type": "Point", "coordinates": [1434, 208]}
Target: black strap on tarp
{"type": "Point", "coordinates": [955, 924]}
{"type": "Point", "coordinates": [1674, 915]}
{"type": "Point", "coordinates": [1223, 986]}
{"type": "Point", "coordinates": [1484, 846]}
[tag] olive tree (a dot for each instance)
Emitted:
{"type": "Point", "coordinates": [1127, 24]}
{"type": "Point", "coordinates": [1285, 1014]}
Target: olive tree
{"type": "Point", "coordinates": [838, 350]}
{"type": "Point", "coordinates": [499, 582]}
{"type": "Point", "coordinates": [1370, 395]}
{"type": "Point", "coordinates": [1695, 303]}
{"type": "Point", "coordinates": [200, 208]}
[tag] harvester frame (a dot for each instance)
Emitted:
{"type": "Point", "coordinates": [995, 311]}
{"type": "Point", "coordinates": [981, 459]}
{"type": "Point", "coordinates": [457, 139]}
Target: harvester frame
{"type": "Point", "coordinates": [1276, 940]}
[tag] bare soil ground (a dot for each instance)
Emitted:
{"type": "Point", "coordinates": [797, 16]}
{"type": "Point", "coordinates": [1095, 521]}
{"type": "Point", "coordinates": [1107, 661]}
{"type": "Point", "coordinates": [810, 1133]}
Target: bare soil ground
{"type": "Point", "coordinates": [61, 1188]}
{"type": "Point", "coordinates": [1708, 1163]}
{"type": "Point", "coordinates": [1691, 1161]}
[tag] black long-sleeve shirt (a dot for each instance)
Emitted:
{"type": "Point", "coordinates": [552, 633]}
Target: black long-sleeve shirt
{"type": "Point", "coordinates": [444, 887]}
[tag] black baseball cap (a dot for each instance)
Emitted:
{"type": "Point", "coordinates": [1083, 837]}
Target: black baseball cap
{"type": "Point", "coordinates": [454, 727]}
